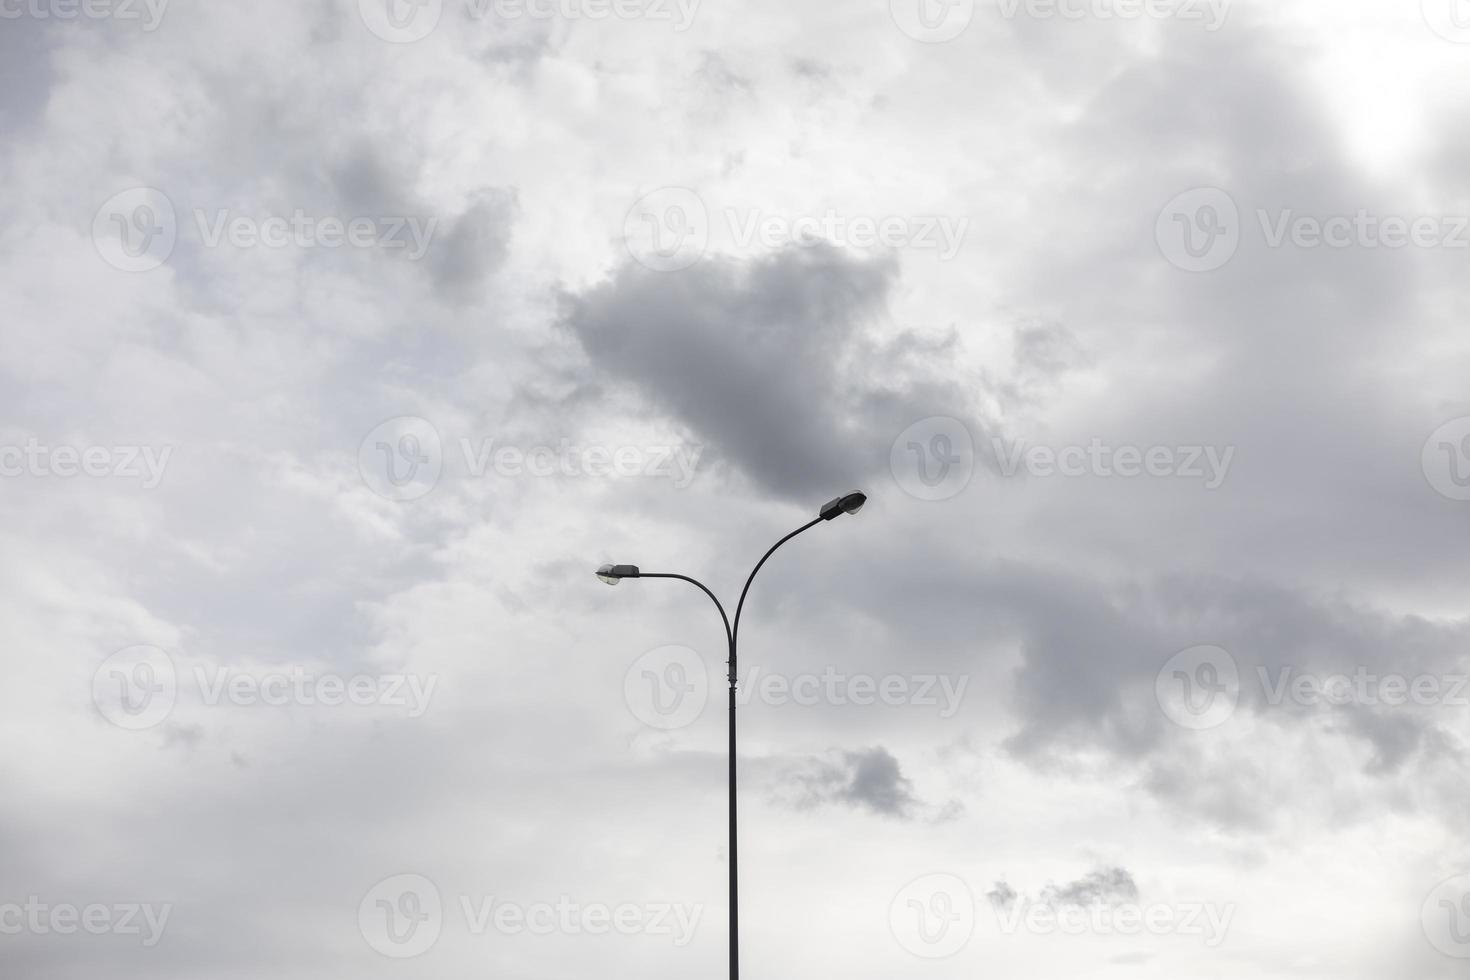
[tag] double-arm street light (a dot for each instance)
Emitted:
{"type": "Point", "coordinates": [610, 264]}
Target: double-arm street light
{"type": "Point", "coordinates": [613, 574]}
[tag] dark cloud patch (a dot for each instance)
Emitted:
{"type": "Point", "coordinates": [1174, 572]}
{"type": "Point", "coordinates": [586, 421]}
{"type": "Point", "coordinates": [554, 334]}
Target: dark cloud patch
{"type": "Point", "coordinates": [469, 249]}
{"type": "Point", "coordinates": [1090, 654]}
{"type": "Point", "coordinates": [1450, 151]}
{"type": "Point", "coordinates": [869, 780]}
{"type": "Point", "coordinates": [368, 180]}
{"type": "Point", "coordinates": [1106, 886]}
{"type": "Point", "coordinates": [1092, 650]}
{"type": "Point", "coordinates": [511, 46]}
{"type": "Point", "coordinates": [771, 361]}
{"type": "Point", "coordinates": [1045, 352]}
{"type": "Point", "coordinates": [1394, 735]}
{"type": "Point", "coordinates": [719, 77]}
{"type": "Point", "coordinates": [1232, 796]}
{"type": "Point", "coordinates": [811, 68]}
{"type": "Point", "coordinates": [25, 72]}
{"type": "Point", "coordinates": [1092, 659]}
{"type": "Point", "coordinates": [1002, 896]}
{"type": "Point", "coordinates": [464, 250]}
{"type": "Point", "coordinates": [1094, 645]}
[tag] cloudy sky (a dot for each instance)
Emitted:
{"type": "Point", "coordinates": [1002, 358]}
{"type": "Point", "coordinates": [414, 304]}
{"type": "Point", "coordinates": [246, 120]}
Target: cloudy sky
{"type": "Point", "coordinates": [343, 340]}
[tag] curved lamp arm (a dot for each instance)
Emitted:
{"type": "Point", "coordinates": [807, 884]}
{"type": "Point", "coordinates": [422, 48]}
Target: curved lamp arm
{"type": "Point", "coordinates": [848, 504]}
{"type": "Point", "coordinates": [735, 632]}
{"type": "Point", "coordinates": [729, 636]}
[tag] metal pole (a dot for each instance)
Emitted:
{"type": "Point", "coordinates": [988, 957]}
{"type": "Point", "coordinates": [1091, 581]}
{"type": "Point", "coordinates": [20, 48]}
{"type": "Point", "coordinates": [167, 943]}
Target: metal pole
{"type": "Point", "coordinates": [732, 632]}
{"type": "Point", "coordinates": [734, 644]}
{"type": "Point", "coordinates": [734, 837]}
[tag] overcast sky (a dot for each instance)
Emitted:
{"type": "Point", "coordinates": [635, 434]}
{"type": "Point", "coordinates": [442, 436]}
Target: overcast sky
{"type": "Point", "coordinates": [344, 340]}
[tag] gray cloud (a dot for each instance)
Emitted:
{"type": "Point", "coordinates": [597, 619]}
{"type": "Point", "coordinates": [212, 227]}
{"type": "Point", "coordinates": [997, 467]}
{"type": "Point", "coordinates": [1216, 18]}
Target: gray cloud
{"type": "Point", "coordinates": [870, 780]}
{"type": "Point", "coordinates": [1105, 886]}
{"type": "Point", "coordinates": [26, 72]}
{"type": "Point", "coordinates": [471, 247]}
{"type": "Point", "coordinates": [772, 362]}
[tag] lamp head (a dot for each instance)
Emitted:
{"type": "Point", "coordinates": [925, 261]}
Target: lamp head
{"type": "Point", "coordinates": [850, 504]}
{"type": "Point", "coordinates": [613, 574]}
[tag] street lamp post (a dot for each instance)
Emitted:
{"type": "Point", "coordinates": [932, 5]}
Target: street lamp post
{"type": "Point", "coordinates": [613, 574]}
